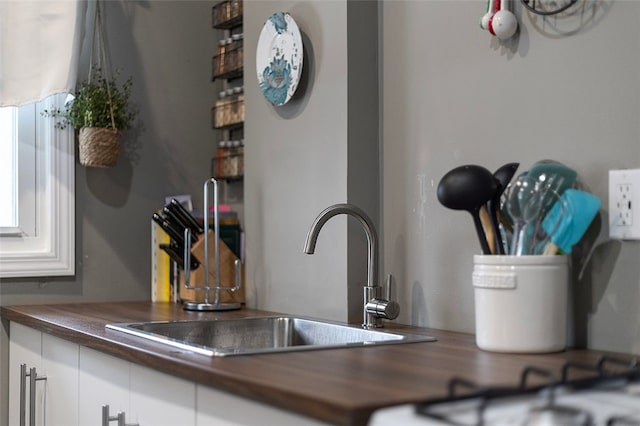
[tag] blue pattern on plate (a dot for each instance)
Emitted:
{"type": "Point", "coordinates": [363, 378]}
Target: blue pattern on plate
{"type": "Point", "coordinates": [276, 79]}
{"type": "Point", "coordinates": [279, 58]}
{"type": "Point", "coordinates": [279, 22]}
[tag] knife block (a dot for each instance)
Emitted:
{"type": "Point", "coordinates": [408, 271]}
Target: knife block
{"type": "Point", "coordinates": [227, 278]}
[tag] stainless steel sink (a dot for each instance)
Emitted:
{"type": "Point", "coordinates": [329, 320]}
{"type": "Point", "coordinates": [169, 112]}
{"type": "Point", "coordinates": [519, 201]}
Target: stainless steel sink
{"type": "Point", "coordinates": [261, 335]}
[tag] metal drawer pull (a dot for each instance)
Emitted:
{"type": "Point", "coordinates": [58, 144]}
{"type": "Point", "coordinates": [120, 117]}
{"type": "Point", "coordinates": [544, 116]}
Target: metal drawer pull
{"type": "Point", "coordinates": [120, 418]}
{"type": "Point", "coordinates": [33, 377]}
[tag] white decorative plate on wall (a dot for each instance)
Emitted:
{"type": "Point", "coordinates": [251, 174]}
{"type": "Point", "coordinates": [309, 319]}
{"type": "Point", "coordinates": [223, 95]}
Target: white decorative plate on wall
{"type": "Point", "coordinates": [279, 58]}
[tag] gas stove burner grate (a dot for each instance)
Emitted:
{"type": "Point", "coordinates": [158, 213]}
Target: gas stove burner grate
{"type": "Point", "coordinates": [624, 421]}
{"type": "Point", "coordinates": [576, 397]}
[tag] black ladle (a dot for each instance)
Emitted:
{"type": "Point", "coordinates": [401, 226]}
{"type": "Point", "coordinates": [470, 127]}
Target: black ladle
{"type": "Point", "coordinates": [468, 188]}
{"type": "Point", "coordinates": [503, 176]}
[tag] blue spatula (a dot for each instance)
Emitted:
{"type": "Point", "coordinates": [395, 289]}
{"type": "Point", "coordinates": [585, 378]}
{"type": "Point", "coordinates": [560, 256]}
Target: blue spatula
{"type": "Point", "coordinates": [568, 219]}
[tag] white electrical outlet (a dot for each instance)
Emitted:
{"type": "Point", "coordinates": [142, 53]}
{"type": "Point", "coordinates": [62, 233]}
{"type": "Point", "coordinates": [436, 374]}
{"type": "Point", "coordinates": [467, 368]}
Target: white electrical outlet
{"type": "Point", "coordinates": [624, 214]}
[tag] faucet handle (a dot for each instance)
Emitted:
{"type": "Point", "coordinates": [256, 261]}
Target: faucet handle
{"type": "Point", "coordinates": [388, 309]}
{"type": "Point", "coordinates": [389, 286]}
{"type": "Point", "coordinates": [384, 308]}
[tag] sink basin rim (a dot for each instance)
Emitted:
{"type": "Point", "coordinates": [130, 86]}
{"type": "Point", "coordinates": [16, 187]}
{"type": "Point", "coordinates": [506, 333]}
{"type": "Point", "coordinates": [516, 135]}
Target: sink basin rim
{"type": "Point", "coordinates": [391, 337]}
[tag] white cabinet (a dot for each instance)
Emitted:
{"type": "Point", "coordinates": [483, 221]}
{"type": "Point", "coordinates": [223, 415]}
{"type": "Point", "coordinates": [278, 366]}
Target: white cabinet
{"type": "Point", "coordinates": [55, 362]}
{"type": "Point", "coordinates": [25, 348]}
{"type": "Point", "coordinates": [103, 380]}
{"type": "Point", "coordinates": [80, 381]}
{"type": "Point", "coordinates": [146, 397]}
{"type": "Point", "coordinates": [216, 408]}
{"type": "Point", "coordinates": [60, 365]}
{"type": "Point", "coordinates": [158, 399]}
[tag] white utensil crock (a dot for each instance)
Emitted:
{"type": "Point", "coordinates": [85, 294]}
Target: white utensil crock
{"type": "Point", "coordinates": [521, 303]}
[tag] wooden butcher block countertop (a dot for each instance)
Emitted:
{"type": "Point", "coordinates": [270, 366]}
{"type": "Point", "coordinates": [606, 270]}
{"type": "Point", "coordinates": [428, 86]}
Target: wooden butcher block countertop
{"type": "Point", "coordinates": [339, 386]}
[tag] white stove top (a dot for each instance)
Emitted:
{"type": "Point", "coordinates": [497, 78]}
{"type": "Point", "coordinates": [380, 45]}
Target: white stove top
{"type": "Point", "coordinates": [607, 401]}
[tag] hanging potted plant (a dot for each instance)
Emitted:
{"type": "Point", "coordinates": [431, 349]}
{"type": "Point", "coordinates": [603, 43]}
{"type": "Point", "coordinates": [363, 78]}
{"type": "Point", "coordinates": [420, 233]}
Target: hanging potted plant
{"type": "Point", "coordinates": [99, 112]}
{"type": "Point", "coordinates": [101, 108]}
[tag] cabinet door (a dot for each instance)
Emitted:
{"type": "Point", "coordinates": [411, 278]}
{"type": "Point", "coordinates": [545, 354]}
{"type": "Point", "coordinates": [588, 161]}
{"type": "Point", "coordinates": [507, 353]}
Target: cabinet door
{"type": "Point", "coordinates": [217, 408]}
{"type": "Point", "coordinates": [25, 347]}
{"type": "Point", "coordinates": [56, 359]}
{"type": "Point", "coordinates": [159, 399]}
{"type": "Point", "coordinates": [102, 380]}
{"type": "Point", "coordinates": [60, 365]}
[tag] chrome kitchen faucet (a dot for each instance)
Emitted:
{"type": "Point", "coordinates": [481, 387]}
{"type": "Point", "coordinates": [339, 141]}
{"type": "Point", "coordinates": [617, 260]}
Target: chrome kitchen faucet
{"type": "Point", "coordinates": [374, 308]}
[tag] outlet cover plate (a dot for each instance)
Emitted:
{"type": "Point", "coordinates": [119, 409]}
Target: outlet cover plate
{"type": "Point", "coordinates": [624, 211]}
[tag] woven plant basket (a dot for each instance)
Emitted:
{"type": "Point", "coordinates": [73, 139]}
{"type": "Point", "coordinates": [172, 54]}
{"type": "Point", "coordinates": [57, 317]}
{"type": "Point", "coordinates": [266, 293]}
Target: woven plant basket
{"type": "Point", "coordinates": [99, 147]}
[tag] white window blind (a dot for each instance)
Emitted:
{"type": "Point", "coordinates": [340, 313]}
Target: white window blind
{"type": "Point", "coordinates": [40, 44]}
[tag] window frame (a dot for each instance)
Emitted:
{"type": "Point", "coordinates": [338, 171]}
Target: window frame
{"type": "Point", "coordinates": [43, 245]}
{"type": "Point", "coordinates": [9, 121]}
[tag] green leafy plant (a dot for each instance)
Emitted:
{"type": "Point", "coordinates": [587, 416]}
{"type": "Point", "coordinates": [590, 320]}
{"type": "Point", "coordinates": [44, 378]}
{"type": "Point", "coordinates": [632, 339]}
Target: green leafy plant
{"type": "Point", "coordinates": [95, 102]}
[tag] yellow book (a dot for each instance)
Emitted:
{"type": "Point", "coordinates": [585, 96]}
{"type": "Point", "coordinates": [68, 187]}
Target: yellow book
{"type": "Point", "coordinates": [160, 266]}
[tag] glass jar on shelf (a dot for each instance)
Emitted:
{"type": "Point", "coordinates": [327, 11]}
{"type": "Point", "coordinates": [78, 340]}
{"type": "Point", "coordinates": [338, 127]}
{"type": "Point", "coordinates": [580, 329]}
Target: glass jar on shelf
{"type": "Point", "coordinates": [236, 156]}
{"type": "Point", "coordinates": [235, 58]}
{"type": "Point", "coordinates": [228, 63]}
{"type": "Point", "coordinates": [229, 109]}
{"type": "Point", "coordinates": [227, 14]}
{"type": "Point", "coordinates": [218, 60]}
{"type": "Point", "coordinates": [229, 161]}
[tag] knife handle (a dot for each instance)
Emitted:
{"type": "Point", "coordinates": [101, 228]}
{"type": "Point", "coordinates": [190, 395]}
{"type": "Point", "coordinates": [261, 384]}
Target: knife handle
{"type": "Point", "coordinates": [185, 216]}
{"type": "Point", "coordinates": [180, 224]}
{"type": "Point", "coordinates": [166, 227]}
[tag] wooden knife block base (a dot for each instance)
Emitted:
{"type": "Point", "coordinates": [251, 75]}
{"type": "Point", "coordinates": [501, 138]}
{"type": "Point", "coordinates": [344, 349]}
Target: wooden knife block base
{"type": "Point", "coordinates": [227, 278]}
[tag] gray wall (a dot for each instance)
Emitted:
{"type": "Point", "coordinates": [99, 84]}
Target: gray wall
{"type": "Point", "coordinates": [296, 164]}
{"type": "Point", "coordinates": [166, 46]}
{"type": "Point", "coordinates": [320, 149]}
{"type": "Point", "coordinates": [565, 88]}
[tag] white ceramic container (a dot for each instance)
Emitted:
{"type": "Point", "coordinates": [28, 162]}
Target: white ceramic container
{"type": "Point", "coordinates": [521, 303]}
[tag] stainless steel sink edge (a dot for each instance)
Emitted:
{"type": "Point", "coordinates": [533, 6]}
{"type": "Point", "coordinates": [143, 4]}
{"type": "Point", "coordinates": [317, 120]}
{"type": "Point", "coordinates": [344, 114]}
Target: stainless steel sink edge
{"type": "Point", "coordinates": [158, 338]}
{"type": "Point", "coordinates": [390, 337]}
